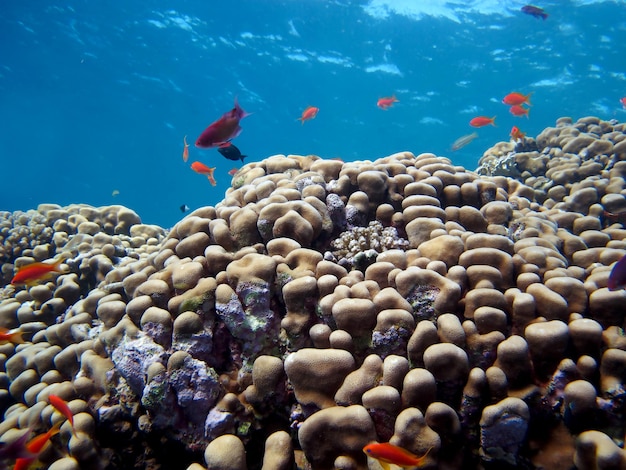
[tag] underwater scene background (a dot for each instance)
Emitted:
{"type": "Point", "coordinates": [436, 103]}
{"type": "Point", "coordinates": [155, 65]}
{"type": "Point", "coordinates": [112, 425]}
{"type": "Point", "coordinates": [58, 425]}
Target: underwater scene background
{"type": "Point", "coordinates": [392, 279]}
{"type": "Point", "coordinates": [95, 98]}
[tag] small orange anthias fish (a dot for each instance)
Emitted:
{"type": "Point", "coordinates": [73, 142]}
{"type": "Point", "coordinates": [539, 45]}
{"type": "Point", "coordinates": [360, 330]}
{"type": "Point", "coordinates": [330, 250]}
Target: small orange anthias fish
{"type": "Point", "coordinates": [185, 150]}
{"type": "Point", "coordinates": [386, 103]}
{"type": "Point", "coordinates": [309, 113]}
{"type": "Point", "coordinates": [35, 446]}
{"type": "Point", "coordinates": [516, 134]}
{"type": "Point", "coordinates": [202, 169]}
{"type": "Point", "coordinates": [387, 453]}
{"type": "Point", "coordinates": [518, 110]}
{"type": "Point", "coordinates": [222, 131]}
{"type": "Point", "coordinates": [63, 408]}
{"type": "Point", "coordinates": [32, 273]}
{"type": "Point", "coordinates": [481, 121]}
{"type": "Point", "coordinates": [233, 171]}
{"type": "Point", "coordinates": [623, 101]}
{"type": "Point", "coordinates": [10, 336]}
{"type": "Point", "coordinates": [515, 98]}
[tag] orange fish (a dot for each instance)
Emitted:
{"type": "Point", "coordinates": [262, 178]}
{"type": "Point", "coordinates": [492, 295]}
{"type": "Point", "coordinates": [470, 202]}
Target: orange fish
{"type": "Point", "coordinates": [481, 121]}
{"type": "Point", "coordinates": [185, 149]}
{"type": "Point", "coordinates": [515, 98]}
{"type": "Point", "coordinates": [516, 134]}
{"type": "Point", "coordinates": [31, 273]}
{"type": "Point", "coordinates": [387, 453]}
{"type": "Point", "coordinates": [309, 113]}
{"type": "Point", "coordinates": [202, 169]}
{"type": "Point", "coordinates": [623, 101]}
{"type": "Point", "coordinates": [233, 171]}
{"type": "Point", "coordinates": [10, 336]}
{"type": "Point", "coordinates": [386, 103]}
{"type": "Point", "coordinates": [35, 446]}
{"type": "Point", "coordinates": [63, 407]}
{"type": "Point", "coordinates": [518, 110]}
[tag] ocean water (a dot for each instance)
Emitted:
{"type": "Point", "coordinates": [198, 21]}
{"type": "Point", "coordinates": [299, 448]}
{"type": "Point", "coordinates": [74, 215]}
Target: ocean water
{"type": "Point", "coordinates": [95, 97]}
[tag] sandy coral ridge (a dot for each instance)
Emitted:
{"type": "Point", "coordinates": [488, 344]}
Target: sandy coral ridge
{"type": "Point", "coordinates": [323, 305]}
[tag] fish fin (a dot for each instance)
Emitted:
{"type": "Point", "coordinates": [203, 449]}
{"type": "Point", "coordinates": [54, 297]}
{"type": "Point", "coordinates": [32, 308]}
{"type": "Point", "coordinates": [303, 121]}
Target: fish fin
{"type": "Point", "coordinates": [16, 337]}
{"type": "Point", "coordinates": [493, 121]}
{"type": "Point", "coordinates": [224, 144]}
{"type": "Point", "coordinates": [56, 428]}
{"type": "Point", "coordinates": [528, 98]}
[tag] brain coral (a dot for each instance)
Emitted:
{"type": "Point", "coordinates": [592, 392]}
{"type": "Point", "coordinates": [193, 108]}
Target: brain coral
{"type": "Point", "coordinates": [404, 299]}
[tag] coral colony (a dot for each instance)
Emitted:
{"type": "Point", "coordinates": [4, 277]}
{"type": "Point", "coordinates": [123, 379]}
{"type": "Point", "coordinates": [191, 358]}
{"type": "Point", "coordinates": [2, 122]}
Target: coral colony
{"type": "Point", "coordinates": [462, 317]}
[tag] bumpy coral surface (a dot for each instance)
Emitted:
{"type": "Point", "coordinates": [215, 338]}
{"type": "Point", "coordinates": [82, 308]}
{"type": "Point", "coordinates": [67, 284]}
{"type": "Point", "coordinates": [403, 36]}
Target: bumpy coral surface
{"type": "Point", "coordinates": [324, 305]}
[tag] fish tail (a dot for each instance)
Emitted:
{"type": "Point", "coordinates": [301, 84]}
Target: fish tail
{"type": "Point", "coordinates": [528, 98]}
{"type": "Point", "coordinates": [56, 428]}
{"type": "Point", "coordinates": [16, 337]}
{"type": "Point", "coordinates": [493, 121]}
{"type": "Point", "coordinates": [60, 258]}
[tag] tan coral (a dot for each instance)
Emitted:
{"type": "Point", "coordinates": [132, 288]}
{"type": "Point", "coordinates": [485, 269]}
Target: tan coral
{"type": "Point", "coordinates": [317, 374]}
{"type": "Point", "coordinates": [346, 429]}
{"type": "Point", "coordinates": [597, 451]}
{"type": "Point", "coordinates": [226, 452]}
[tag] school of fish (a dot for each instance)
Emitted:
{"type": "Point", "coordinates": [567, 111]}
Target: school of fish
{"type": "Point", "coordinates": [24, 450]}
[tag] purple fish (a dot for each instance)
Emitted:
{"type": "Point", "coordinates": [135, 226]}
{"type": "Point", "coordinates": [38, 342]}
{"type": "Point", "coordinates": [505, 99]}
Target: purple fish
{"type": "Point", "coordinates": [16, 449]}
{"type": "Point", "coordinates": [617, 278]}
{"type": "Point", "coordinates": [535, 11]}
{"type": "Point", "coordinates": [222, 131]}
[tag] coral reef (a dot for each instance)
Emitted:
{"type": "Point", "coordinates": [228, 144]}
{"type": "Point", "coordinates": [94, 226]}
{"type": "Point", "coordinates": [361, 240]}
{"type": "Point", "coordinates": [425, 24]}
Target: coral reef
{"type": "Point", "coordinates": [325, 304]}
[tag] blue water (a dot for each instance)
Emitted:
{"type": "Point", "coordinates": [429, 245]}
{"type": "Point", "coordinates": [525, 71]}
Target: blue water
{"type": "Point", "coordinates": [97, 96]}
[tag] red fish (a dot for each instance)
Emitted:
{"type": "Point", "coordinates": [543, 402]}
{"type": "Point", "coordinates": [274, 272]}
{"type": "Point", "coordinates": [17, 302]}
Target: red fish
{"type": "Point", "coordinates": [535, 11]}
{"type": "Point", "coordinates": [387, 453]}
{"type": "Point", "coordinates": [222, 131]}
{"type": "Point", "coordinates": [517, 98]}
{"type": "Point", "coordinates": [35, 446]}
{"type": "Point", "coordinates": [482, 121]}
{"type": "Point", "coordinates": [386, 103]}
{"type": "Point", "coordinates": [617, 278]}
{"type": "Point", "coordinates": [185, 149]}
{"type": "Point", "coordinates": [309, 113]}
{"type": "Point", "coordinates": [517, 110]}
{"type": "Point", "coordinates": [202, 169]}
{"type": "Point", "coordinates": [63, 407]}
{"type": "Point", "coordinates": [31, 273]}
{"type": "Point", "coordinates": [10, 336]}
{"type": "Point", "coordinates": [233, 171]}
{"type": "Point", "coordinates": [516, 134]}
{"type": "Point", "coordinates": [623, 101]}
